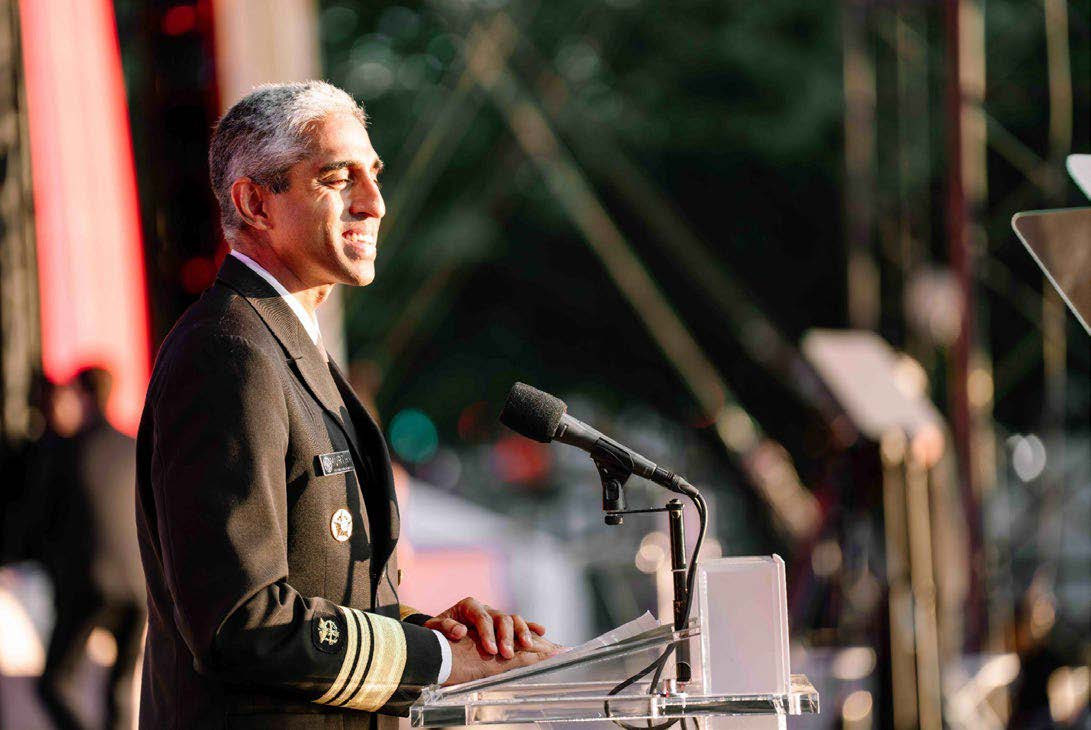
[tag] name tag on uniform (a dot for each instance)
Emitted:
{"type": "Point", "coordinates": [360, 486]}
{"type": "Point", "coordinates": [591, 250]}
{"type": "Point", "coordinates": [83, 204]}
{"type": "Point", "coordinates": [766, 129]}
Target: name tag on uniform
{"type": "Point", "coordinates": [337, 462]}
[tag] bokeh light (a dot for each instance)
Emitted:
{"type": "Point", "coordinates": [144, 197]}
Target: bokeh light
{"type": "Point", "coordinates": [413, 436]}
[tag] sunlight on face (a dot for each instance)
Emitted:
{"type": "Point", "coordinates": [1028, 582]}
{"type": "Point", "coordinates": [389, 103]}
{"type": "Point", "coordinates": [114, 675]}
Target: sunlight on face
{"type": "Point", "coordinates": [325, 227]}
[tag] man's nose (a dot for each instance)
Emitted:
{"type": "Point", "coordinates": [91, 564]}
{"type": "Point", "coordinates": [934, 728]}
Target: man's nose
{"type": "Point", "coordinates": [367, 201]}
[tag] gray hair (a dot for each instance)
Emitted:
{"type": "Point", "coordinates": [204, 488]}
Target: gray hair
{"type": "Point", "coordinates": [265, 133]}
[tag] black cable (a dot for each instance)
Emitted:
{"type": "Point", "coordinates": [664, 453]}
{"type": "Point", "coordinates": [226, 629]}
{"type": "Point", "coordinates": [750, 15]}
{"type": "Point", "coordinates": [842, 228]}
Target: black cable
{"type": "Point", "coordinates": [687, 489]}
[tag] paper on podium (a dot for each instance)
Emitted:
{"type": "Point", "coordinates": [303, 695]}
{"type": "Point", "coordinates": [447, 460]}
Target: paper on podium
{"type": "Point", "coordinates": [613, 636]}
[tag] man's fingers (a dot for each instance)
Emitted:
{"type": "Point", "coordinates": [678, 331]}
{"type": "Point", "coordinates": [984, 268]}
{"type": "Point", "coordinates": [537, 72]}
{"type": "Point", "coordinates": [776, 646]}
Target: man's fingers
{"type": "Point", "coordinates": [546, 647]}
{"type": "Point", "coordinates": [471, 661]}
{"type": "Point", "coordinates": [482, 621]}
{"type": "Point", "coordinates": [450, 628]}
{"type": "Point", "coordinates": [522, 632]}
{"type": "Point", "coordinates": [505, 634]}
{"type": "Point", "coordinates": [535, 655]}
{"type": "Point", "coordinates": [497, 632]}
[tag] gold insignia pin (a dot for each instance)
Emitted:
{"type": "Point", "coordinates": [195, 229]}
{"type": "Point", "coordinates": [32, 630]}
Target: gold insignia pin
{"type": "Point", "coordinates": [328, 632]}
{"type": "Point", "coordinates": [341, 525]}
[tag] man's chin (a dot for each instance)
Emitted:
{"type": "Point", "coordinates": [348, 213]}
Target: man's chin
{"type": "Point", "coordinates": [360, 277]}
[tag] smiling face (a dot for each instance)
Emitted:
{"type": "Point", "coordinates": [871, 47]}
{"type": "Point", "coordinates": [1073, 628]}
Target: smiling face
{"type": "Point", "coordinates": [325, 226]}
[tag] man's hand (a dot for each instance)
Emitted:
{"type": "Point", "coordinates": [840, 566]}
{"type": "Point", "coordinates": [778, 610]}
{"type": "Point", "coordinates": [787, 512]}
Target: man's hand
{"type": "Point", "coordinates": [494, 631]}
{"type": "Point", "coordinates": [469, 661]}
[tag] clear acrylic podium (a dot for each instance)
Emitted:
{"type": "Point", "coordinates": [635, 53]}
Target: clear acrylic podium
{"type": "Point", "coordinates": [737, 641]}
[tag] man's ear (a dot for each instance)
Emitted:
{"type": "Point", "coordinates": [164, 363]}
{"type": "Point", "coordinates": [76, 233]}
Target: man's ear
{"type": "Point", "coordinates": [251, 202]}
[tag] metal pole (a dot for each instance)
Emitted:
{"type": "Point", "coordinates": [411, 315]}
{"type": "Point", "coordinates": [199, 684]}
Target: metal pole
{"type": "Point", "coordinates": [903, 679]}
{"type": "Point", "coordinates": [859, 82]}
{"type": "Point", "coordinates": [959, 370]}
{"type": "Point", "coordinates": [922, 572]}
{"type": "Point", "coordinates": [678, 571]}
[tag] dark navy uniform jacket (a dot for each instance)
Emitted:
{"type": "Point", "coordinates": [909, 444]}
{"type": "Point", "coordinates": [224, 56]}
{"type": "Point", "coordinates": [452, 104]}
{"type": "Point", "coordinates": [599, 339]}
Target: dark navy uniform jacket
{"type": "Point", "coordinates": [267, 524]}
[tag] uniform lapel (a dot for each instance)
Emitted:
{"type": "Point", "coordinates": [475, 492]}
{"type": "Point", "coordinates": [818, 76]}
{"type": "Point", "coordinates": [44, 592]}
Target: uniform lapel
{"type": "Point", "coordinates": [289, 331]}
{"type": "Point", "coordinates": [381, 497]}
{"type": "Point", "coordinates": [331, 389]}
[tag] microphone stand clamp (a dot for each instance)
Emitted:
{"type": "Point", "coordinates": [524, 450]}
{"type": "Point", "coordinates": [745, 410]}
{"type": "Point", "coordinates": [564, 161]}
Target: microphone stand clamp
{"type": "Point", "coordinates": [613, 476]}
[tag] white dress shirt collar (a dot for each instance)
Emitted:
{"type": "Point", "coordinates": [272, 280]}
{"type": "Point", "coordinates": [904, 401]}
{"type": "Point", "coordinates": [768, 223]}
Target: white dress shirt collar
{"type": "Point", "coordinates": [308, 320]}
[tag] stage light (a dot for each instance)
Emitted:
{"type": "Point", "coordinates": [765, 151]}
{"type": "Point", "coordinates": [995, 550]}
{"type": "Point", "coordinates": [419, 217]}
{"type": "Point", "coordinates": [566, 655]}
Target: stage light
{"type": "Point", "coordinates": [472, 420]}
{"type": "Point", "coordinates": [1068, 689]}
{"type": "Point", "coordinates": [102, 647]}
{"type": "Point", "coordinates": [853, 663]}
{"type": "Point", "coordinates": [927, 445]}
{"type": "Point", "coordinates": [519, 460]}
{"type": "Point", "coordinates": [1028, 456]}
{"type": "Point", "coordinates": [892, 446]}
{"type": "Point", "coordinates": [413, 436]}
{"type": "Point", "coordinates": [338, 23]}
{"type": "Point", "coordinates": [857, 709]}
{"type": "Point", "coordinates": [371, 79]}
{"type": "Point", "coordinates": [652, 553]}
{"type": "Point", "coordinates": [826, 558]}
{"type": "Point", "coordinates": [910, 377]}
{"type": "Point", "coordinates": [179, 20]}
{"type": "Point", "coordinates": [979, 387]}
{"type": "Point", "coordinates": [399, 22]}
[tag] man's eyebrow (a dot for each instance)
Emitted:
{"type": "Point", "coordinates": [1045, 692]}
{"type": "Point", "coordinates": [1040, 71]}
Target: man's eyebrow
{"type": "Point", "coordinates": [331, 166]}
{"type": "Point", "coordinates": [376, 166]}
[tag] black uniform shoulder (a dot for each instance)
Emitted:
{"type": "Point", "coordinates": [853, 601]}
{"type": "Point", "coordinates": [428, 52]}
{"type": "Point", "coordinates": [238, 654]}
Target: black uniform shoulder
{"type": "Point", "coordinates": [221, 327]}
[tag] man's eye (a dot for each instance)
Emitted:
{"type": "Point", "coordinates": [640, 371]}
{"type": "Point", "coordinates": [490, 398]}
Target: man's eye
{"type": "Point", "coordinates": [337, 181]}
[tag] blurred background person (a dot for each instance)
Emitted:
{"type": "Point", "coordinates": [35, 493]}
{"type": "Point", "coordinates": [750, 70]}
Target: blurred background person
{"type": "Point", "coordinates": [82, 485]}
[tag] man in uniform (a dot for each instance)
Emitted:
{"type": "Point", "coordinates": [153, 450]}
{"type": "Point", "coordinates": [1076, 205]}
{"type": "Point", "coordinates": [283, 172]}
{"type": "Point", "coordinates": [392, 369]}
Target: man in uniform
{"type": "Point", "coordinates": [265, 500]}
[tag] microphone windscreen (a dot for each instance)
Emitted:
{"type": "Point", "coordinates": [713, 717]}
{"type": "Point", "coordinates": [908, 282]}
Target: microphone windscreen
{"type": "Point", "coordinates": [532, 413]}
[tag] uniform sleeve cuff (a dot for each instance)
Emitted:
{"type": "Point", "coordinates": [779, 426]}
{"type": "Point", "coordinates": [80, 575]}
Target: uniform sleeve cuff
{"type": "Point", "coordinates": [416, 617]}
{"type": "Point", "coordinates": [445, 661]}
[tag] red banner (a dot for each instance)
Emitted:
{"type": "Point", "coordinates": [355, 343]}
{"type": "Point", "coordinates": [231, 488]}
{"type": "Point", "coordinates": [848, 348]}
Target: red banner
{"type": "Point", "coordinates": [90, 255]}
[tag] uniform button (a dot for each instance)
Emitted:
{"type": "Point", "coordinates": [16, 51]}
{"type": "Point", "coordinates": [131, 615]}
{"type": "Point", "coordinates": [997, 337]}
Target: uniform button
{"type": "Point", "coordinates": [341, 525]}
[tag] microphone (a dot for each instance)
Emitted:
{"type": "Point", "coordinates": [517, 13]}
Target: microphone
{"type": "Point", "coordinates": [543, 417]}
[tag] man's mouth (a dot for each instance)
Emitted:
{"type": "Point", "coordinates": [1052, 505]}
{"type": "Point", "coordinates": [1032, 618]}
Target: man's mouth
{"type": "Point", "coordinates": [363, 244]}
{"type": "Point", "coordinates": [358, 237]}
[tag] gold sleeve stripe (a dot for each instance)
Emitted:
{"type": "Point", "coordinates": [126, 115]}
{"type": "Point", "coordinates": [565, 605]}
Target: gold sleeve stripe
{"type": "Point", "coordinates": [351, 655]}
{"type": "Point", "coordinates": [384, 674]}
{"type": "Point", "coordinates": [363, 658]}
{"type": "Point", "coordinates": [404, 610]}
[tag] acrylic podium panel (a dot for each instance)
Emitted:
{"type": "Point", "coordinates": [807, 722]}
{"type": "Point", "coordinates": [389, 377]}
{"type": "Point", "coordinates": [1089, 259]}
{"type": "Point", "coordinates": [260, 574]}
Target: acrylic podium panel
{"type": "Point", "coordinates": [738, 645]}
{"type": "Point", "coordinates": [744, 625]}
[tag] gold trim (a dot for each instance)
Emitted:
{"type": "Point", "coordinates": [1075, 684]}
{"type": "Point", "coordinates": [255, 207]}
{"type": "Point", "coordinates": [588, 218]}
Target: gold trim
{"type": "Point", "coordinates": [387, 664]}
{"type": "Point", "coordinates": [405, 611]}
{"type": "Point", "coordinates": [366, 640]}
{"type": "Point", "coordinates": [346, 663]}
